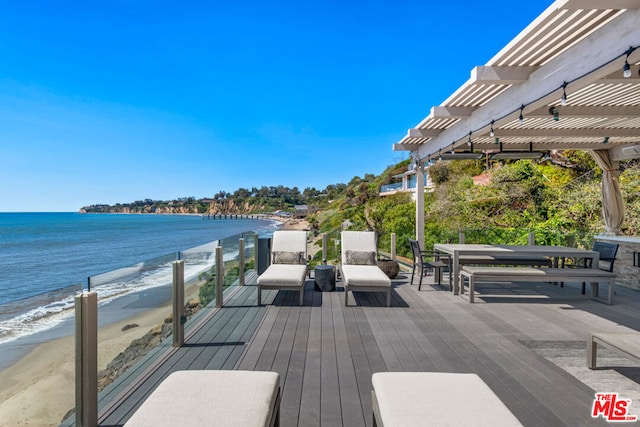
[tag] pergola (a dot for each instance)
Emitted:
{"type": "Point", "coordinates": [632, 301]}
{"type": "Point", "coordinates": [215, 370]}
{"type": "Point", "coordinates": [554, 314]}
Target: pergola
{"type": "Point", "coordinates": [563, 83]}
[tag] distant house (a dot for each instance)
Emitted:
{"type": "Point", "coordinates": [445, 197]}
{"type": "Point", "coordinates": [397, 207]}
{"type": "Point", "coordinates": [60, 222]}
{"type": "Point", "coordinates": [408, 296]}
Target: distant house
{"type": "Point", "coordinates": [406, 182]}
{"type": "Point", "coordinates": [301, 211]}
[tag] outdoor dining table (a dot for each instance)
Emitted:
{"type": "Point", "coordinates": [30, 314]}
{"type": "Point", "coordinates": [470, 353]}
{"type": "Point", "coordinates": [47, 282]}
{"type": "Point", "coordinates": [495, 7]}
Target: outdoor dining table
{"type": "Point", "coordinates": [555, 253]}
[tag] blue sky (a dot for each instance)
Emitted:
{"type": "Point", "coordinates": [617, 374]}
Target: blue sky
{"type": "Point", "coordinates": [117, 101]}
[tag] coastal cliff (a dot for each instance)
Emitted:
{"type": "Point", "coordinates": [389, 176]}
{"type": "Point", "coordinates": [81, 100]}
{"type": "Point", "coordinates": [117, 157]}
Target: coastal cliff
{"type": "Point", "coordinates": [211, 207]}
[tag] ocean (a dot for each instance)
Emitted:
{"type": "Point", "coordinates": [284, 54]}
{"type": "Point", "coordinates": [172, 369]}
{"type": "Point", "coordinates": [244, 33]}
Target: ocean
{"type": "Point", "coordinates": [47, 258]}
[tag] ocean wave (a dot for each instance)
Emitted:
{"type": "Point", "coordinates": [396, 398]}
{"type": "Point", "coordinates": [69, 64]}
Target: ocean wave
{"type": "Point", "coordinates": [46, 316]}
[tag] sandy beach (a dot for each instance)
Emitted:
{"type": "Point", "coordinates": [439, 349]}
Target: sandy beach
{"type": "Point", "coordinates": [39, 389]}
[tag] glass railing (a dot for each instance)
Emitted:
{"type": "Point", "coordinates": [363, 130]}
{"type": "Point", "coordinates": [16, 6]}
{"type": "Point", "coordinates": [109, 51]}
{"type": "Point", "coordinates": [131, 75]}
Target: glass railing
{"type": "Point", "coordinates": [391, 187]}
{"type": "Point", "coordinates": [135, 303]}
{"type": "Point", "coordinates": [433, 234]}
{"type": "Point", "coordinates": [134, 318]}
{"type": "Point", "coordinates": [520, 236]}
{"type": "Point", "coordinates": [411, 185]}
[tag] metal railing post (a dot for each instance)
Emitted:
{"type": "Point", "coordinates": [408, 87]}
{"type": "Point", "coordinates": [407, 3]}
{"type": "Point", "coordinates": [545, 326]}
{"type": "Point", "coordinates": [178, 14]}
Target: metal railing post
{"type": "Point", "coordinates": [255, 252]}
{"type": "Point", "coordinates": [219, 276]}
{"type": "Point", "coordinates": [179, 319]}
{"type": "Point", "coordinates": [86, 307]}
{"type": "Point", "coordinates": [461, 237]}
{"type": "Point", "coordinates": [393, 246]}
{"type": "Point", "coordinates": [241, 263]}
{"type": "Point", "coordinates": [532, 239]}
{"type": "Point", "coordinates": [324, 248]}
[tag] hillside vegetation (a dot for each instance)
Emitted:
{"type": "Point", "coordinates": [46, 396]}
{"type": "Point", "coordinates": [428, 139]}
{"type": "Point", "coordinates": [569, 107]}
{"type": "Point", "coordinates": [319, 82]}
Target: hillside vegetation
{"type": "Point", "coordinates": [561, 205]}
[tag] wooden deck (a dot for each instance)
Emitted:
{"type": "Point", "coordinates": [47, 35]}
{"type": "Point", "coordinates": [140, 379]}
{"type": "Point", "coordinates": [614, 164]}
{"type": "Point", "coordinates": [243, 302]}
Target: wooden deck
{"type": "Point", "coordinates": [526, 341]}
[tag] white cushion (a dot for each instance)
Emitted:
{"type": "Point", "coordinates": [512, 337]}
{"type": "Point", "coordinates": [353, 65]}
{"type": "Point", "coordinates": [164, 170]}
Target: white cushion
{"type": "Point", "coordinates": [198, 398]}
{"type": "Point", "coordinates": [283, 275]}
{"type": "Point", "coordinates": [438, 398]}
{"type": "Point", "coordinates": [365, 275]}
{"type": "Point", "coordinates": [360, 241]}
{"type": "Point", "coordinates": [289, 241]}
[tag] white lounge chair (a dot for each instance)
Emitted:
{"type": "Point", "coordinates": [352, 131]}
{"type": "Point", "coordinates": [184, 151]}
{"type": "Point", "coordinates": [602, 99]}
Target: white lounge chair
{"type": "Point", "coordinates": [221, 398]}
{"type": "Point", "coordinates": [288, 269]}
{"type": "Point", "coordinates": [359, 269]}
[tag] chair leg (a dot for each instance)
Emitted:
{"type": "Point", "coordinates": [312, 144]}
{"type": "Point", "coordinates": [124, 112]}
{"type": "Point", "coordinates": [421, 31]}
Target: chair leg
{"type": "Point", "coordinates": [302, 295]}
{"type": "Point", "coordinates": [420, 282]}
{"type": "Point", "coordinates": [389, 297]}
{"type": "Point", "coordinates": [438, 272]}
{"type": "Point", "coordinates": [346, 296]}
{"type": "Point", "coordinates": [412, 272]}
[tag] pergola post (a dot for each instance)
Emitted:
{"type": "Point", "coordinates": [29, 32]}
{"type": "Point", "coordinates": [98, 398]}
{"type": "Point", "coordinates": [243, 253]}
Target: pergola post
{"type": "Point", "coordinates": [417, 167]}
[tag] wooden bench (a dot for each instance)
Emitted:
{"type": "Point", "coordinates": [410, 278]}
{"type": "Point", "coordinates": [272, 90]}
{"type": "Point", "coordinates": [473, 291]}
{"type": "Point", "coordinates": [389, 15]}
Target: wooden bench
{"type": "Point", "coordinates": [627, 343]}
{"type": "Point", "coordinates": [407, 399]}
{"type": "Point", "coordinates": [209, 397]}
{"type": "Point", "coordinates": [533, 274]}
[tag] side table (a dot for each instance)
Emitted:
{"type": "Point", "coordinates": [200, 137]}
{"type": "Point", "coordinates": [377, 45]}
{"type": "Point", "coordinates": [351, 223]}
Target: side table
{"type": "Point", "coordinates": [324, 278]}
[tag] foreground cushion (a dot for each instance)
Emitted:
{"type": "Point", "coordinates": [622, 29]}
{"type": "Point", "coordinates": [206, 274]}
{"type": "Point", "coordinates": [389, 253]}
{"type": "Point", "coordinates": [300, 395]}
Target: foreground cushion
{"type": "Point", "coordinates": [220, 398]}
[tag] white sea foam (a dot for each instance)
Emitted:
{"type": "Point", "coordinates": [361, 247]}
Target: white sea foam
{"type": "Point", "coordinates": [134, 279]}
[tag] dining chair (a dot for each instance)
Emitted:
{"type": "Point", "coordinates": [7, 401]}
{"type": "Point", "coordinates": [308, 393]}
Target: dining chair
{"type": "Point", "coordinates": [607, 253]}
{"type": "Point", "coordinates": [426, 261]}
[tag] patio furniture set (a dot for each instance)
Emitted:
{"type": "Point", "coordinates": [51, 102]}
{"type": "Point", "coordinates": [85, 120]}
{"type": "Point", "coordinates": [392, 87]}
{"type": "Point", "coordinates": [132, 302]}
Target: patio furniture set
{"type": "Point", "coordinates": [469, 263]}
{"type": "Point", "coordinates": [359, 270]}
{"type": "Point", "coordinates": [466, 264]}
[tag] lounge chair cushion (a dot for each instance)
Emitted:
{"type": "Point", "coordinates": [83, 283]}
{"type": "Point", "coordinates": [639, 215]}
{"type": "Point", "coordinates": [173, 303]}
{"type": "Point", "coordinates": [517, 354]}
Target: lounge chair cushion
{"type": "Point", "coordinates": [283, 275]}
{"type": "Point", "coordinates": [283, 257]}
{"type": "Point", "coordinates": [365, 275]}
{"type": "Point", "coordinates": [198, 398]}
{"type": "Point", "coordinates": [360, 257]}
{"type": "Point", "coordinates": [437, 398]}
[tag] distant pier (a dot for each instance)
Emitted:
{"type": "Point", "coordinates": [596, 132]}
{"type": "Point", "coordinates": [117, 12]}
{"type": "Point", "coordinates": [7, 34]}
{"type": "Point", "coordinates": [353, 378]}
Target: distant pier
{"type": "Point", "coordinates": [233, 216]}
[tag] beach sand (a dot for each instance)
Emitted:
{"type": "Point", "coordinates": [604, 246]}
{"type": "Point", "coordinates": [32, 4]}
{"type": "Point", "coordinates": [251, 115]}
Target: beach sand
{"type": "Point", "coordinates": [39, 389]}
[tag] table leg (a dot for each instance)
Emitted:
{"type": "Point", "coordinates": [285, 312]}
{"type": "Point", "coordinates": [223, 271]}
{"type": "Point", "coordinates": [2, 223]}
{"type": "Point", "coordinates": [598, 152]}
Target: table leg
{"type": "Point", "coordinates": [595, 263]}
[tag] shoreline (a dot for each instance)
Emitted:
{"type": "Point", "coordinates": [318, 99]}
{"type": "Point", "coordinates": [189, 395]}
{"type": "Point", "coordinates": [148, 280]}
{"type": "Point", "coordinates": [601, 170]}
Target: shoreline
{"type": "Point", "coordinates": [39, 389]}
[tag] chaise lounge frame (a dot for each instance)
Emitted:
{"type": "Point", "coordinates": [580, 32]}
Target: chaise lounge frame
{"type": "Point", "coordinates": [281, 276]}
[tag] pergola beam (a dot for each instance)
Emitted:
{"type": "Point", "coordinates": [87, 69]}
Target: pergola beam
{"type": "Point", "coordinates": [600, 111]}
{"type": "Point", "coordinates": [597, 4]}
{"type": "Point", "coordinates": [440, 112]}
{"type": "Point", "coordinates": [541, 146]}
{"type": "Point", "coordinates": [404, 147]}
{"type": "Point", "coordinates": [501, 74]}
{"type": "Point", "coordinates": [423, 133]}
{"type": "Point", "coordinates": [568, 133]}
